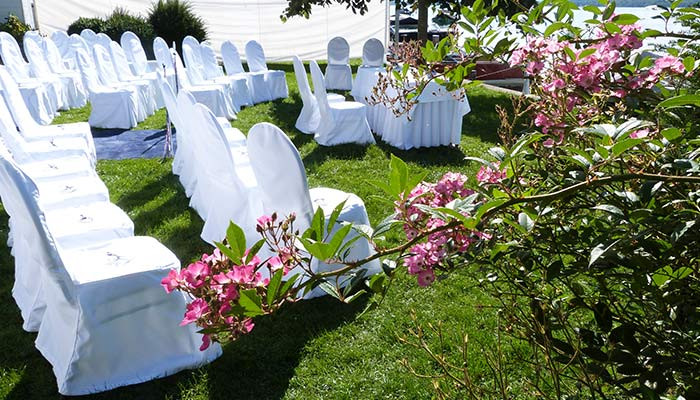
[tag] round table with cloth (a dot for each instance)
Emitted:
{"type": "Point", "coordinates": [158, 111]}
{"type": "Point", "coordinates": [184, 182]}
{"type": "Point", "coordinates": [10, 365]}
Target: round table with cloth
{"type": "Point", "coordinates": [435, 121]}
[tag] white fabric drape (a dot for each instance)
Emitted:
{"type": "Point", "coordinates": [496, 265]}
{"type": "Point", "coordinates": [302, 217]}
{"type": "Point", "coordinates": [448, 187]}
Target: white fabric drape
{"type": "Point", "coordinates": [338, 73]}
{"type": "Point", "coordinates": [240, 21]}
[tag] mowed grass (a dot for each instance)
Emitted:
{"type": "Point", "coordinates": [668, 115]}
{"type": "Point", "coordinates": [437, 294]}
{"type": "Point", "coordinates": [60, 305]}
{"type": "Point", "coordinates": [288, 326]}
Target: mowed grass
{"type": "Point", "coordinates": [318, 349]}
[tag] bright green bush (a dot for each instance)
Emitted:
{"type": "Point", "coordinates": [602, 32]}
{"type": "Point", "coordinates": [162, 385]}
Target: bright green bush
{"type": "Point", "coordinates": [174, 19]}
{"type": "Point", "coordinates": [15, 27]}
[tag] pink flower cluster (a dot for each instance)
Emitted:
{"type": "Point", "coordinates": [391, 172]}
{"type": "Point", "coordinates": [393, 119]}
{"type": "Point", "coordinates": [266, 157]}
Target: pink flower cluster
{"type": "Point", "coordinates": [566, 85]}
{"type": "Point", "coordinates": [424, 258]}
{"type": "Point", "coordinates": [488, 175]}
{"type": "Point", "coordinates": [215, 284]}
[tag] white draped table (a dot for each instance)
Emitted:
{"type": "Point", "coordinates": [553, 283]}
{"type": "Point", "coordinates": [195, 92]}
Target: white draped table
{"type": "Point", "coordinates": [435, 121]}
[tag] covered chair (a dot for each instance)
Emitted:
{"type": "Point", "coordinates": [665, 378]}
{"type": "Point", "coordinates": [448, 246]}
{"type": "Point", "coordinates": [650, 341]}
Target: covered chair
{"type": "Point", "coordinates": [77, 94]}
{"type": "Point", "coordinates": [140, 65]}
{"type": "Point", "coordinates": [274, 79]}
{"type": "Point", "coordinates": [62, 42]}
{"type": "Point", "coordinates": [226, 185]}
{"type": "Point", "coordinates": [338, 71]}
{"type": "Point", "coordinates": [111, 107]}
{"type": "Point", "coordinates": [108, 77]}
{"type": "Point", "coordinates": [213, 96]}
{"type": "Point", "coordinates": [71, 92]}
{"type": "Point", "coordinates": [195, 71]}
{"type": "Point", "coordinates": [89, 36]}
{"type": "Point", "coordinates": [213, 72]}
{"type": "Point", "coordinates": [259, 92]}
{"type": "Point", "coordinates": [341, 122]}
{"type": "Point", "coordinates": [99, 299]}
{"type": "Point", "coordinates": [309, 117]}
{"type": "Point", "coordinates": [282, 179]}
{"type": "Point", "coordinates": [31, 130]}
{"type": "Point", "coordinates": [124, 73]}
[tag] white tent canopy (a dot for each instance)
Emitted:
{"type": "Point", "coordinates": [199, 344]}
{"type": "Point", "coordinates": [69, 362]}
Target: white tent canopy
{"type": "Point", "coordinates": [244, 20]}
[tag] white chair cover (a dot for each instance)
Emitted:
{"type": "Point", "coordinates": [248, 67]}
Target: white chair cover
{"type": "Point", "coordinates": [181, 150]}
{"type": "Point", "coordinates": [276, 81]}
{"type": "Point", "coordinates": [341, 122]}
{"type": "Point", "coordinates": [135, 53]}
{"type": "Point", "coordinates": [124, 73]}
{"type": "Point", "coordinates": [259, 92]}
{"type": "Point", "coordinates": [373, 53]}
{"type": "Point", "coordinates": [308, 119]}
{"type": "Point", "coordinates": [111, 107]}
{"type": "Point", "coordinates": [40, 66]}
{"type": "Point", "coordinates": [213, 72]}
{"type": "Point", "coordinates": [104, 40]}
{"type": "Point", "coordinates": [99, 299]}
{"type": "Point", "coordinates": [282, 179]}
{"type": "Point", "coordinates": [60, 39]}
{"type": "Point", "coordinates": [109, 78]}
{"type": "Point", "coordinates": [195, 70]}
{"type": "Point", "coordinates": [77, 95]}
{"type": "Point", "coordinates": [225, 181]}
{"type": "Point", "coordinates": [213, 96]}
{"type": "Point", "coordinates": [89, 36]}
{"type": "Point", "coordinates": [42, 97]}
{"type": "Point", "coordinates": [338, 72]}
{"type": "Point", "coordinates": [32, 131]}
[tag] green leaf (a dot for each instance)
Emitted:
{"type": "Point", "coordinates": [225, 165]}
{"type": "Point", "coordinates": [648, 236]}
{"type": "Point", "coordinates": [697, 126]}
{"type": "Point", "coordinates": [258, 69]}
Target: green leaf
{"type": "Point", "coordinates": [254, 250]}
{"type": "Point", "coordinates": [289, 282]}
{"type": "Point", "coordinates": [671, 134]}
{"type": "Point", "coordinates": [599, 251]}
{"type": "Point", "coordinates": [337, 240]}
{"type": "Point", "coordinates": [680, 101]}
{"type": "Point", "coordinates": [251, 303]}
{"type": "Point", "coordinates": [555, 27]}
{"type": "Point", "coordinates": [377, 283]}
{"type": "Point", "coordinates": [398, 176]}
{"type": "Point", "coordinates": [681, 230]}
{"type": "Point", "coordinates": [609, 208]}
{"type": "Point", "coordinates": [273, 286]}
{"type": "Point", "coordinates": [334, 215]}
{"type": "Point", "coordinates": [624, 145]}
{"type": "Point", "coordinates": [585, 53]}
{"type": "Point", "coordinates": [385, 225]}
{"type": "Point", "coordinates": [625, 19]}
{"type": "Point", "coordinates": [236, 241]}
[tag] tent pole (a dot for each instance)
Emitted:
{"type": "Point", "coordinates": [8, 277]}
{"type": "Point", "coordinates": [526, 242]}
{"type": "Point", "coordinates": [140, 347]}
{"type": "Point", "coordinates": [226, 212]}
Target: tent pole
{"type": "Point", "coordinates": [396, 20]}
{"type": "Point", "coordinates": [35, 14]}
{"type": "Point", "coordinates": [387, 14]}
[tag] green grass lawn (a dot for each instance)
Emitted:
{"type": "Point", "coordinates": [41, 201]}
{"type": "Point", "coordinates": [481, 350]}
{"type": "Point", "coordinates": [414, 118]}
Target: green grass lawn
{"type": "Point", "coordinates": [318, 349]}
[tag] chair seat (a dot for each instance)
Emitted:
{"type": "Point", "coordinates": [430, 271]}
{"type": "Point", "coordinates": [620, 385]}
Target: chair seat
{"type": "Point", "coordinates": [91, 223]}
{"type": "Point", "coordinates": [334, 97]}
{"type": "Point", "coordinates": [346, 105]}
{"type": "Point", "coordinates": [60, 168]}
{"type": "Point", "coordinates": [72, 192]}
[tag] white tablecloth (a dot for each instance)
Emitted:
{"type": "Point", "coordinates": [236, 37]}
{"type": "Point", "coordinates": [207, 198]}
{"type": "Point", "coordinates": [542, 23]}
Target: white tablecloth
{"type": "Point", "coordinates": [435, 121]}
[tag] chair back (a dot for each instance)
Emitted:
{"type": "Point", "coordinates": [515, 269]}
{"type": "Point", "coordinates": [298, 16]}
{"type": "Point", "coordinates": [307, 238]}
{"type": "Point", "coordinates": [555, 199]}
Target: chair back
{"type": "Point", "coordinates": [134, 52]}
{"type": "Point", "coordinates": [88, 71]}
{"type": "Point", "coordinates": [193, 62]}
{"type": "Point", "coordinates": [12, 56]}
{"type": "Point", "coordinates": [170, 103]}
{"type": "Point", "coordinates": [255, 56]}
{"type": "Point", "coordinates": [89, 36]}
{"type": "Point", "coordinates": [319, 89]}
{"type": "Point", "coordinates": [232, 59]}
{"type": "Point", "coordinates": [280, 174]}
{"type": "Point", "coordinates": [121, 62]}
{"type": "Point", "coordinates": [37, 60]}
{"type": "Point", "coordinates": [209, 61]}
{"type": "Point", "coordinates": [105, 66]}
{"type": "Point", "coordinates": [163, 53]}
{"type": "Point", "coordinates": [338, 51]}
{"type": "Point", "coordinates": [62, 42]}
{"type": "Point", "coordinates": [21, 193]}
{"type": "Point", "coordinates": [15, 102]}
{"type": "Point", "coordinates": [54, 57]}
{"type": "Point", "coordinates": [373, 53]}
{"type": "Point", "coordinates": [302, 81]}
{"type": "Point", "coordinates": [104, 40]}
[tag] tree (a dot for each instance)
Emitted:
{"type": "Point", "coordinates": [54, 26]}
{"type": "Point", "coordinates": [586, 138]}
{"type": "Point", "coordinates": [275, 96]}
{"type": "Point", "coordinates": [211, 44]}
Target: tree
{"type": "Point", "coordinates": [509, 7]}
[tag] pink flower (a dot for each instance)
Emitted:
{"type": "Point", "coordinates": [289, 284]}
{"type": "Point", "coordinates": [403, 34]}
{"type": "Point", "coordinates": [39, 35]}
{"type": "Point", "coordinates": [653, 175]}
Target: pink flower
{"type": "Point", "coordinates": [549, 143]}
{"type": "Point", "coordinates": [264, 221]}
{"type": "Point", "coordinates": [671, 63]}
{"type": "Point", "coordinates": [206, 341]}
{"type": "Point", "coordinates": [195, 274]}
{"type": "Point", "coordinates": [488, 175]}
{"type": "Point", "coordinates": [195, 310]}
{"type": "Point", "coordinates": [426, 277]}
{"type": "Point", "coordinates": [248, 325]}
{"type": "Point", "coordinates": [171, 282]}
{"type": "Point", "coordinates": [638, 134]}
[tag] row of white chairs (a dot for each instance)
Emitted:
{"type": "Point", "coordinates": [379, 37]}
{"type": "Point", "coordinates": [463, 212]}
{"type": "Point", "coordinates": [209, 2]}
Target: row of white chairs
{"type": "Point", "coordinates": [229, 177]}
{"type": "Point", "coordinates": [338, 72]}
{"type": "Point", "coordinates": [83, 281]}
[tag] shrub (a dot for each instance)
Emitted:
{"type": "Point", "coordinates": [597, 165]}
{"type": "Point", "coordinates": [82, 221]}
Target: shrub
{"type": "Point", "coordinates": [120, 21]}
{"type": "Point", "coordinates": [96, 24]}
{"type": "Point", "coordinates": [174, 19]}
{"type": "Point", "coordinates": [15, 27]}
